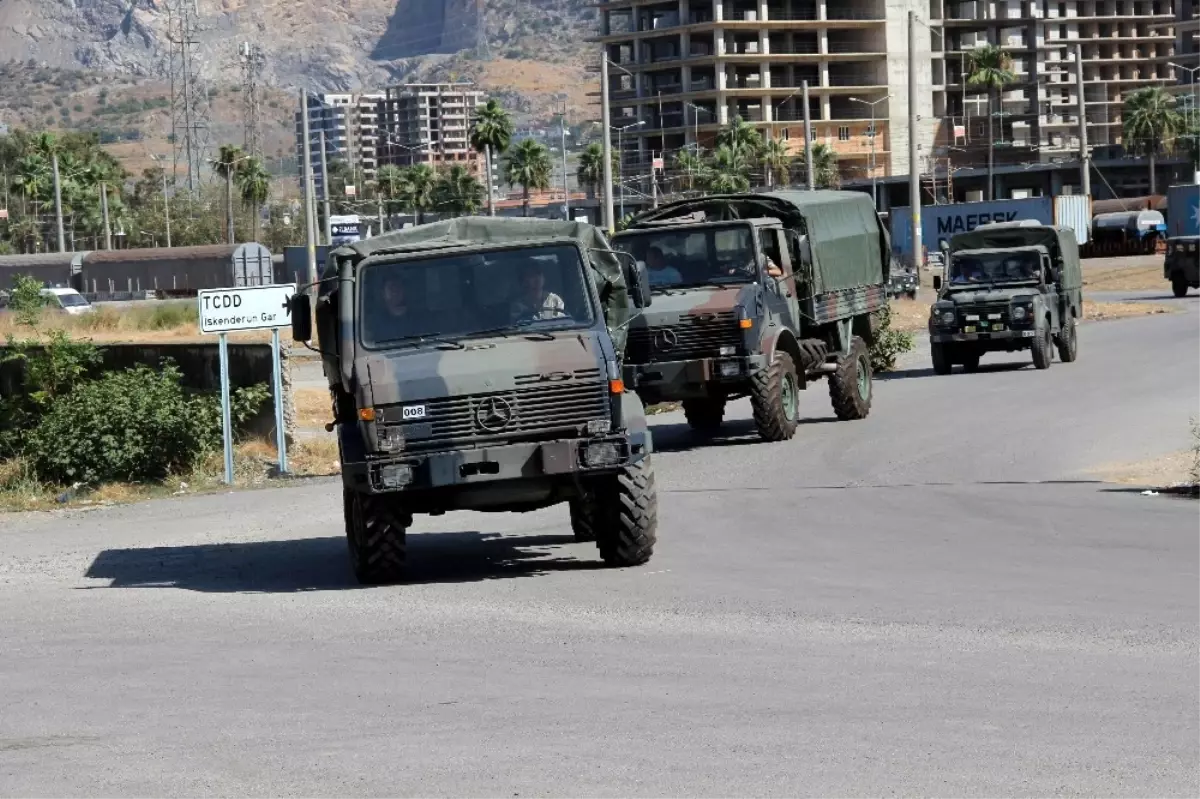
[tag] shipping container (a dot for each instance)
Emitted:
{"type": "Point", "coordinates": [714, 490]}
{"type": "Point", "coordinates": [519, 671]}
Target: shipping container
{"type": "Point", "coordinates": [1074, 211]}
{"type": "Point", "coordinates": [940, 222]}
{"type": "Point", "coordinates": [1183, 210]}
{"type": "Point", "coordinates": [175, 271]}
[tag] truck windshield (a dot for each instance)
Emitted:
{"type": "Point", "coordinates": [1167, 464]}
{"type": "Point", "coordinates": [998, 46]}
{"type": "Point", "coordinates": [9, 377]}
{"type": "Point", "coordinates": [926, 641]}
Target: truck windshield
{"type": "Point", "coordinates": [693, 256]}
{"type": "Point", "coordinates": [995, 267]}
{"type": "Point", "coordinates": [453, 296]}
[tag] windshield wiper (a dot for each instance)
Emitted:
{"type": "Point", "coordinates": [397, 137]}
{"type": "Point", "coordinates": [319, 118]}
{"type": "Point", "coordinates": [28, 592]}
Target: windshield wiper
{"type": "Point", "coordinates": [513, 327]}
{"type": "Point", "coordinates": [416, 341]}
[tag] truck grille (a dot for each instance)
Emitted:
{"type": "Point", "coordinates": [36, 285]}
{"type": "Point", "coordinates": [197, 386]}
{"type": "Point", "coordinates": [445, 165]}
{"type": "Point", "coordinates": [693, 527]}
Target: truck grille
{"type": "Point", "coordinates": [533, 411]}
{"type": "Point", "coordinates": [1000, 312]}
{"type": "Point", "coordinates": [694, 338]}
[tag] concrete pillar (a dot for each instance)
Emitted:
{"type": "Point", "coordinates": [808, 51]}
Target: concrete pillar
{"type": "Point", "coordinates": [762, 10]}
{"type": "Point", "coordinates": [718, 8]}
{"type": "Point", "coordinates": [685, 78]}
{"type": "Point", "coordinates": [823, 41]}
{"type": "Point", "coordinates": [719, 40]}
{"type": "Point", "coordinates": [821, 10]}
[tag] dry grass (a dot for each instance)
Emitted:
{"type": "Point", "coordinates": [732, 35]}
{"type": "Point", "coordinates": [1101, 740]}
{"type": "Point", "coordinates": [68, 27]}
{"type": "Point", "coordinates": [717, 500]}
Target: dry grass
{"type": "Point", "coordinates": [254, 467]}
{"type": "Point", "coordinates": [911, 316]}
{"type": "Point", "coordinates": [151, 322]}
{"type": "Point", "coordinates": [312, 407]}
{"type": "Point", "coordinates": [1100, 311]}
{"type": "Point", "coordinates": [1164, 471]}
{"type": "Point", "coordinates": [1125, 278]}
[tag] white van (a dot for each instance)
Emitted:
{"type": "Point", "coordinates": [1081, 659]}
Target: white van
{"type": "Point", "coordinates": [67, 300]}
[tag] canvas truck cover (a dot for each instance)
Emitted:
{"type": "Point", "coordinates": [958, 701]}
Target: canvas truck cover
{"type": "Point", "coordinates": [850, 245]}
{"type": "Point", "coordinates": [488, 232]}
{"type": "Point", "coordinates": [1059, 241]}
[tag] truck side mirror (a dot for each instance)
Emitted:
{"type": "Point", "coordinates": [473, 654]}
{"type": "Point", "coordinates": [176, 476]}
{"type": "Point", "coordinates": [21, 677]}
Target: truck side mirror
{"type": "Point", "coordinates": [300, 307]}
{"type": "Point", "coordinates": [937, 282]}
{"type": "Point", "coordinates": [638, 278]}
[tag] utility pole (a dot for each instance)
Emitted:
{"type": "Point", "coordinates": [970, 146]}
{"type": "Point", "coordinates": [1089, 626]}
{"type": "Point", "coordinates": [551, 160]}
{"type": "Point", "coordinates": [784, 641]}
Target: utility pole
{"type": "Point", "coordinates": [310, 233]}
{"type": "Point", "coordinates": [810, 179]}
{"type": "Point", "coordinates": [104, 211]}
{"type": "Point", "coordinates": [914, 175]}
{"type": "Point", "coordinates": [379, 210]}
{"type": "Point", "coordinates": [62, 239]}
{"type": "Point", "coordinates": [653, 182]}
{"type": "Point", "coordinates": [166, 208]}
{"type": "Point", "coordinates": [325, 191]}
{"type": "Point", "coordinates": [229, 201]}
{"type": "Point", "coordinates": [562, 129]}
{"type": "Point", "coordinates": [605, 123]}
{"type": "Point", "coordinates": [1085, 156]}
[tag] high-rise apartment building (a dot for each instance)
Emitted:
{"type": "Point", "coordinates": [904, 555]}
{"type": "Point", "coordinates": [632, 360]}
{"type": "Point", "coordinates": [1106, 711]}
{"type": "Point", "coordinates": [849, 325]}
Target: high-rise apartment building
{"type": "Point", "coordinates": [350, 125]}
{"type": "Point", "coordinates": [427, 123]}
{"type": "Point", "coordinates": [682, 69]}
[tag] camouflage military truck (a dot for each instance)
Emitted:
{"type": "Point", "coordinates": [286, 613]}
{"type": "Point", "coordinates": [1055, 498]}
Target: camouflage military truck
{"type": "Point", "coordinates": [1182, 264]}
{"type": "Point", "coordinates": [1009, 286]}
{"type": "Point", "coordinates": [757, 295]}
{"type": "Point", "coordinates": [476, 364]}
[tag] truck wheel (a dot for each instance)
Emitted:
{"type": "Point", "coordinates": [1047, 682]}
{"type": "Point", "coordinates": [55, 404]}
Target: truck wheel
{"type": "Point", "coordinates": [775, 398]}
{"type": "Point", "coordinates": [375, 533]}
{"type": "Point", "coordinates": [970, 361]}
{"type": "Point", "coordinates": [1068, 342]}
{"type": "Point", "coordinates": [583, 518]}
{"type": "Point", "coordinates": [704, 415]}
{"type": "Point", "coordinates": [1043, 348]}
{"type": "Point", "coordinates": [627, 515]}
{"type": "Point", "coordinates": [941, 359]}
{"type": "Point", "coordinates": [850, 385]}
{"type": "Point", "coordinates": [1179, 286]}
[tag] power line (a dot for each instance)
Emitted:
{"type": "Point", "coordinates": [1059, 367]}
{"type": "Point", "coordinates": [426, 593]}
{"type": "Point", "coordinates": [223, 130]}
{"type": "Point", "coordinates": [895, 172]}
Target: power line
{"type": "Point", "coordinates": [189, 97]}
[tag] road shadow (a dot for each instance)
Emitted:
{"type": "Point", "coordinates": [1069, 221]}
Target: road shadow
{"type": "Point", "coordinates": [322, 564]}
{"type": "Point", "coordinates": [1177, 492]}
{"type": "Point", "coordinates": [927, 371]}
{"type": "Point", "coordinates": [681, 438]}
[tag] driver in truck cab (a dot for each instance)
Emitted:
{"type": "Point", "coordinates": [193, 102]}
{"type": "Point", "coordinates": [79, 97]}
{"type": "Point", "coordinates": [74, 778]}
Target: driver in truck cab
{"type": "Point", "coordinates": [659, 272]}
{"type": "Point", "coordinates": [533, 301]}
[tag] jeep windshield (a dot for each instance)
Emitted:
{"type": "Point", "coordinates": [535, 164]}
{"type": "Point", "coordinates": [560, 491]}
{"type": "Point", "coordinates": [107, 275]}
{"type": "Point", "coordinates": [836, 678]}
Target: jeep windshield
{"type": "Point", "coordinates": [452, 296]}
{"type": "Point", "coordinates": [691, 257]}
{"type": "Point", "coordinates": [995, 267]}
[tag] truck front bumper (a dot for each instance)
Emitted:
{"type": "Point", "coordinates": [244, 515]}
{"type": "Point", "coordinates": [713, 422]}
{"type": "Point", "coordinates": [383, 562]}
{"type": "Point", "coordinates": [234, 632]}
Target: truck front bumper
{"type": "Point", "coordinates": [522, 461]}
{"type": "Point", "coordinates": [1000, 335]}
{"type": "Point", "coordinates": [667, 375]}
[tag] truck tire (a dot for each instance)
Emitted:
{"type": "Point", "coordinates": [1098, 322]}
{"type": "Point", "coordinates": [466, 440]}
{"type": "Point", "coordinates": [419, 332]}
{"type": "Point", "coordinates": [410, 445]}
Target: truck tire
{"type": "Point", "coordinates": [704, 415]}
{"type": "Point", "coordinates": [970, 361]}
{"type": "Point", "coordinates": [1179, 286]}
{"type": "Point", "coordinates": [1043, 347]}
{"type": "Point", "coordinates": [583, 518]}
{"type": "Point", "coordinates": [941, 359]}
{"type": "Point", "coordinates": [626, 515]}
{"type": "Point", "coordinates": [376, 536]}
{"type": "Point", "coordinates": [1068, 342]}
{"type": "Point", "coordinates": [775, 398]}
{"type": "Point", "coordinates": [850, 388]}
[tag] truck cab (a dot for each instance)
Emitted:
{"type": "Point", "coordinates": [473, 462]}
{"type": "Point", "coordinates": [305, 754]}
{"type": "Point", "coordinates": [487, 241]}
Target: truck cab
{"type": "Point", "coordinates": [1181, 266]}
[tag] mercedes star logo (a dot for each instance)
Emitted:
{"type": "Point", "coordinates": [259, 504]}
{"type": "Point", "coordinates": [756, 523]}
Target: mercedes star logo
{"type": "Point", "coordinates": [665, 339]}
{"type": "Point", "coordinates": [493, 414]}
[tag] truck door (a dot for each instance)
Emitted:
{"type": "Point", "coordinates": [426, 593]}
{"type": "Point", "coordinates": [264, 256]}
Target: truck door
{"type": "Point", "coordinates": [782, 305]}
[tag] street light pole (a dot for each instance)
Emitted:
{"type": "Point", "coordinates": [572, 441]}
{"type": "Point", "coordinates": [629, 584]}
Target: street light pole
{"type": "Point", "coordinates": [310, 231]}
{"type": "Point", "coordinates": [62, 239]}
{"type": "Point", "coordinates": [325, 190]}
{"type": "Point", "coordinates": [605, 120]}
{"type": "Point", "coordinates": [810, 179]}
{"type": "Point", "coordinates": [562, 129]}
{"type": "Point", "coordinates": [914, 178]}
{"type": "Point", "coordinates": [874, 135]}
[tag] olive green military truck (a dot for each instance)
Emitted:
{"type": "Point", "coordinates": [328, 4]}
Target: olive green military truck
{"type": "Point", "coordinates": [1008, 286]}
{"type": "Point", "coordinates": [1181, 265]}
{"type": "Point", "coordinates": [758, 295]}
{"type": "Point", "coordinates": [476, 364]}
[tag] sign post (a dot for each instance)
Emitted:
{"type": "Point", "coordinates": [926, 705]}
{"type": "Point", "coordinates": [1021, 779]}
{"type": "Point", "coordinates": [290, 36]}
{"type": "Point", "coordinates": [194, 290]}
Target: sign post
{"type": "Point", "coordinates": [223, 311]}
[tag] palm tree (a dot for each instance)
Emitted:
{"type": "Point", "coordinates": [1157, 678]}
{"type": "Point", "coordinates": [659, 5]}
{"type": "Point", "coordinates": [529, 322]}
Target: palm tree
{"type": "Point", "coordinates": [419, 184]}
{"type": "Point", "coordinates": [777, 161]}
{"type": "Point", "coordinates": [226, 164]}
{"type": "Point", "coordinates": [491, 134]}
{"type": "Point", "coordinates": [825, 166]}
{"type": "Point", "coordinates": [1150, 123]}
{"type": "Point", "coordinates": [529, 166]}
{"type": "Point", "coordinates": [742, 138]}
{"type": "Point", "coordinates": [730, 168]}
{"type": "Point", "coordinates": [691, 164]}
{"type": "Point", "coordinates": [457, 191]}
{"type": "Point", "coordinates": [390, 183]}
{"type": "Point", "coordinates": [991, 68]}
{"type": "Point", "coordinates": [254, 186]}
{"type": "Point", "coordinates": [591, 168]}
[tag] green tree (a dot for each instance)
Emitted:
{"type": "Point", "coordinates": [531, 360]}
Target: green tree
{"type": "Point", "coordinates": [826, 174]}
{"type": "Point", "coordinates": [420, 182]}
{"type": "Point", "coordinates": [528, 166]}
{"type": "Point", "coordinates": [590, 171]}
{"type": "Point", "coordinates": [229, 159]}
{"type": "Point", "coordinates": [777, 162]}
{"type": "Point", "coordinates": [491, 134]}
{"type": "Point", "coordinates": [692, 167]}
{"type": "Point", "coordinates": [391, 184]}
{"type": "Point", "coordinates": [729, 170]}
{"type": "Point", "coordinates": [741, 138]}
{"type": "Point", "coordinates": [457, 191]}
{"type": "Point", "coordinates": [254, 187]}
{"type": "Point", "coordinates": [990, 67]}
{"type": "Point", "coordinates": [1150, 125]}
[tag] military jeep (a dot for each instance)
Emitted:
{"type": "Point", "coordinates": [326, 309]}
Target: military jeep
{"type": "Point", "coordinates": [1009, 286]}
{"type": "Point", "coordinates": [476, 364]}
{"type": "Point", "coordinates": [758, 295]}
{"type": "Point", "coordinates": [1182, 264]}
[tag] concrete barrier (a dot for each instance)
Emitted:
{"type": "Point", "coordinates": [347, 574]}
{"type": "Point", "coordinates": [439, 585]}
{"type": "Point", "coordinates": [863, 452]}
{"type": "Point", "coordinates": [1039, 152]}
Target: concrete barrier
{"type": "Point", "coordinates": [199, 365]}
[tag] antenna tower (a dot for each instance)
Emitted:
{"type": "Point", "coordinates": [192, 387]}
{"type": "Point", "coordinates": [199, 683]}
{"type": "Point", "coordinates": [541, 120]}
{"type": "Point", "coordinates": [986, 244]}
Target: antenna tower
{"type": "Point", "coordinates": [252, 61]}
{"type": "Point", "coordinates": [189, 95]}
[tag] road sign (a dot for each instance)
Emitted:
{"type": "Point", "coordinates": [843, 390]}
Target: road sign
{"type": "Point", "coordinates": [246, 308]}
{"type": "Point", "coordinates": [224, 311]}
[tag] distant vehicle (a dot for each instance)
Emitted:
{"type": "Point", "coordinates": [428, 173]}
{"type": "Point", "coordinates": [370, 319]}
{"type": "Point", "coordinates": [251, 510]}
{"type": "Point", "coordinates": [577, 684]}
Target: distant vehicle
{"type": "Point", "coordinates": [903, 283]}
{"type": "Point", "coordinates": [67, 300]}
{"type": "Point", "coordinates": [1182, 264]}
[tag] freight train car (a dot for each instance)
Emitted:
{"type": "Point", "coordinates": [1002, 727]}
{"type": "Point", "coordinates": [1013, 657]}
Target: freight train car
{"type": "Point", "coordinates": [51, 269]}
{"type": "Point", "coordinates": [173, 272]}
{"type": "Point", "coordinates": [1127, 233]}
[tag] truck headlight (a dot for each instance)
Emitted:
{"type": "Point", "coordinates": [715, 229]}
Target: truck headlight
{"type": "Point", "coordinates": [1018, 313]}
{"type": "Point", "coordinates": [395, 475]}
{"type": "Point", "coordinates": [602, 453]}
{"type": "Point", "coordinates": [947, 317]}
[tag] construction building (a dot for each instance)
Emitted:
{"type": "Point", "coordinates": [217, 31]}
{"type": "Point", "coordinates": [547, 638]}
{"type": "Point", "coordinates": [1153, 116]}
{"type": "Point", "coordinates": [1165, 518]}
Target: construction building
{"type": "Point", "coordinates": [427, 123]}
{"type": "Point", "coordinates": [680, 70]}
{"type": "Point", "coordinates": [350, 125]}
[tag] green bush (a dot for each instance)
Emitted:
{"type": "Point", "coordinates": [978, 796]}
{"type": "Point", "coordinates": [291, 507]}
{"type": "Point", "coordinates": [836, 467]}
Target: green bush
{"type": "Point", "coordinates": [889, 344]}
{"type": "Point", "coordinates": [52, 368]}
{"type": "Point", "coordinates": [135, 425]}
{"type": "Point", "coordinates": [26, 300]}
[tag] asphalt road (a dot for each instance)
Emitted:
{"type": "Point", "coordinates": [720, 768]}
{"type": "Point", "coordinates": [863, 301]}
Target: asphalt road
{"type": "Point", "coordinates": [931, 601]}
